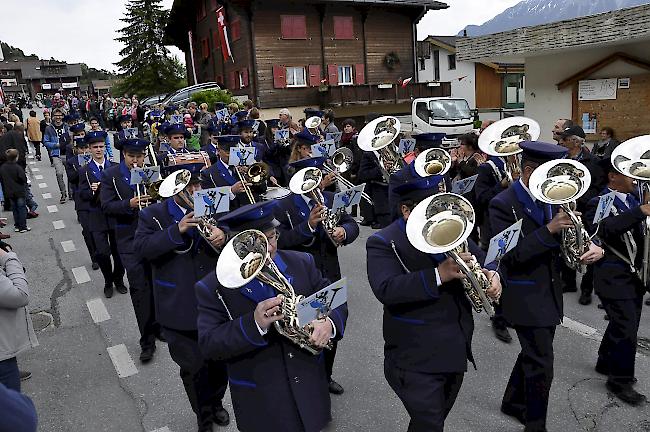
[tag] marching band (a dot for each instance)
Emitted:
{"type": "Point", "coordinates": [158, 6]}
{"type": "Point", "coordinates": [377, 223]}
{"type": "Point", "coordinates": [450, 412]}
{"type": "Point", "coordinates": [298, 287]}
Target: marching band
{"type": "Point", "coordinates": [246, 289]}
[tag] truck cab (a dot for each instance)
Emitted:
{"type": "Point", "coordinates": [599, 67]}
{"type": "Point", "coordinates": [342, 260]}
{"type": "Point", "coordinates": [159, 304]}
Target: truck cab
{"type": "Point", "coordinates": [451, 116]}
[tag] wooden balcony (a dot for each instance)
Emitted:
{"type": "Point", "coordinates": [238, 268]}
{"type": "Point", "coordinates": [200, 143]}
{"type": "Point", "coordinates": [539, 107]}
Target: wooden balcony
{"type": "Point", "coordinates": [371, 94]}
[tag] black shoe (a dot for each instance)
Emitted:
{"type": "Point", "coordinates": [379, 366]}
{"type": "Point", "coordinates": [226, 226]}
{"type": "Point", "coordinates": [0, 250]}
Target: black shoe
{"type": "Point", "coordinates": [121, 288]}
{"type": "Point", "coordinates": [221, 417]}
{"type": "Point", "coordinates": [95, 266]}
{"type": "Point", "coordinates": [513, 412]}
{"type": "Point", "coordinates": [501, 332]}
{"type": "Point", "coordinates": [606, 317]}
{"type": "Point", "coordinates": [364, 223]}
{"type": "Point", "coordinates": [25, 375]}
{"type": "Point", "coordinates": [375, 225]}
{"type": "Point", "coordinates": [604, 371]}
{"type": "Point", "coordinates": [626, 393]}
{"type": "Point", "coordinates": [647, 301]}
{"type": "Point", "coordinates": [161, 338]}
{"type": "Point", "coordinates": [600, 306]}
{"type": "Point", "coordinates": [335, 388]}
{"type": "Point", "coordinates": [146, 355]}
{"type": "Point", "coordinates": [108, 290]}
{"type": "Point", "coordinates": [585, 299]}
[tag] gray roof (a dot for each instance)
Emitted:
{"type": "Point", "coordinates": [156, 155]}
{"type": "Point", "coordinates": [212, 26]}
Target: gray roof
{"type": "Point", "coordinates": [37, 69]}
{"type": "Point", "coordinates": [447, 40]}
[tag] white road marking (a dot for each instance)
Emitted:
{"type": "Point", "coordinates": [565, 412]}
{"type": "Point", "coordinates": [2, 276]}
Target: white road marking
{"type": "Point", "coordinates": [52, 209]}
{"type": "Point", "coordinates": [36, 169]}
{"type": "Point", "coordinates": [122, 361]}
{"type": "Point", "coordinates": [81, 275]}
{"type": "Point", "coordinates": [38, 177]}
{"type": "Point", "coordinates": [58, 224]}
{"type": "Point", "coordinates": [164, 429]}
{"type": "Point", "coordinates": [98, 310]}
{"type": "Point", "coordinates": [68, 246]}
{"type": "Point", "coordinates": [42, 185]}
{"type": "Point", "coordinates": [580, 329]}
{"type": "Point", "coordinates": [47, 195]}
{"type": "Point", "coordinates": [30, 156]}
{"type": "Point", "coordinates": [31, 163]}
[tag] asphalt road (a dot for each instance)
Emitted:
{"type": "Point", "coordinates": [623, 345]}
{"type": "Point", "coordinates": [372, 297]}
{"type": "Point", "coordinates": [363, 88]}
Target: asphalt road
{"type": "Point", "coordinates": [76, 386]}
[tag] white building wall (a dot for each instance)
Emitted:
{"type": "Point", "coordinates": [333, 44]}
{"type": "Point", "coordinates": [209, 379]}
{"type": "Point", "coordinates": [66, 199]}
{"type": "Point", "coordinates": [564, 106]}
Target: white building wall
{"type": "Point", "coordinates": [545, 103]}
{"type": "Point", "coordinates": [465, 88]}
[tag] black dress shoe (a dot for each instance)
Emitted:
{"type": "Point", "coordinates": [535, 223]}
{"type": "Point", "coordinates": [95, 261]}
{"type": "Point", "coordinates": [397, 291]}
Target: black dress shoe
{"type": "Point", "coordinates": [585, 299]}
{"type": "Point", "coordinates": [647, 301]}
{"type": "Point", "coordinates": [221, 417]}
{"type": "Point", "coordinates": [513, 412]}
{"type": "Point", "coordinates": [501, 332]}
{"type": "Point", "coordinates": [108, 290]}
{"type": "Point", "coordinates": [626, 393]}
{"type": "Point", "coordinates": [121, 288]}
{"type": "Point", "coordinates": [335, 388]}
{"type": "Point", "coordinates": [146, 355]}
{"type": "Point", "coordinates": [24, 375]}
{"type": "Point", "coordinates": [95, 266]}
{"type": "Point", "coordinates": [375, 225]}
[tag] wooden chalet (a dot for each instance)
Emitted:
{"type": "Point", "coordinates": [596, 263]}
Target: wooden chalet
{"type": "Point", "coordinates": [349, 55]}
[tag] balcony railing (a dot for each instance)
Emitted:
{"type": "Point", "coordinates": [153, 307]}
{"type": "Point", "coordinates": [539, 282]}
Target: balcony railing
{"type": "Point", "coordinates": [371, 94]}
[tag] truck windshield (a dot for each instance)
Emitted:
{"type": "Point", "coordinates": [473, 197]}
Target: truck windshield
{"type": "Point", "coordinates": [450, 109]}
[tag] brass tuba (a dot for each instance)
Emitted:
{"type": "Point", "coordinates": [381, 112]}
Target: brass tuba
{"type": "Point", "coordinates": [435, 161]}
{"type": "Point", "coordinates": [441, 224]}
{"type": "Point", "coordinates": [340, 162]}
{"type": "Point", "coordinates": [632, 159]}
{"type": "Point", "coordinates": [562, 182]}
{"type": "Point", "coordinates": [379, 137]}
{"type": "Point", "coordinates": [245, 258]}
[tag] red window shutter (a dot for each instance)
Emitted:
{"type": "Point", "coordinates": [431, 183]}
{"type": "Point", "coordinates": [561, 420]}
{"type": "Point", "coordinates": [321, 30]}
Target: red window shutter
{"type": "Point", "coordinates": [244, 74]}
{"type": "Point", "coordinates": [314, 75]}
{"type": "Point", "coordinates": [333, 74]}
{"type": "Point", "coordinates": [234, 81]}
{"type": "Point", "coordinates": [343, 27]}
{"type": "Point", "coordinates": [279, 77]}
{"type": "Point", "coordinates": [293, 26]}
{"type": "Point", "coordinates": [359, 74]}
{"type": "Point", "coordinates": [235, 29]}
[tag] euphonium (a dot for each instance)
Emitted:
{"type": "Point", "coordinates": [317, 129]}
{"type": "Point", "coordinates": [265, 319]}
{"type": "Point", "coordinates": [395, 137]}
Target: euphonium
{"type": "Point", "coordinates": [632, 159]}
{"type": "Point", "coordinates": [257, 174]}
{"type": "Point", "coordinates": [435, 161]}
{"type": "Point", "coordinates": [379, 137]}
{"type": "Point", "coordinates": [306, 182]}
{"type": "Point", "coordinates": [562, 182]}
{"type": "Point", "coordinates": [340, 162]}
{"type": "Point", "coordinates": [246, 257]}
{"type": "Point", "coordinates": [442, 223]}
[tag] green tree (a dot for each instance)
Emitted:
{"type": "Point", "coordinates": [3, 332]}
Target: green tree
{"type": "Point", "coordinates": [147, 67]}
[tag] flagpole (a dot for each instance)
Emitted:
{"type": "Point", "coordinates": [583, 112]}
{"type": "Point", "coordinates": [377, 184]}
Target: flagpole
{"type": "Point", "coordinates": [189, 34]}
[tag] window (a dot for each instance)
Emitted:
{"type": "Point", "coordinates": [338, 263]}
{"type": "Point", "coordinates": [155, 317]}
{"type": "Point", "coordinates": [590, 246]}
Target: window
{"type": "Point", "coordinates": [243, 78]}
{"type": "Point", "coordinates": [422, 111]}
{"type": "Point", "coordinates": [436, 65]}
{"type": "Point", "coordinates": [235, 29]}
{"type": "Point", "coordinates": [293, 26]}
{"type": "Point", "coordinates": [343, 28]}
{"type": "Point", "coordinates": [422, 61]}
{"type": "Point", "coordinates": [345, 75]}
{"type": "Point", "coordinates": [452, 61]}
{"type": "Point", "coordinates": [296, 77]}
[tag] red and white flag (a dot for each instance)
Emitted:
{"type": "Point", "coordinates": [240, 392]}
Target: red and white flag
{"type": "Point", "coordinates": [223, 35]}
{"type": "Point", "coordinates": [406, 82]}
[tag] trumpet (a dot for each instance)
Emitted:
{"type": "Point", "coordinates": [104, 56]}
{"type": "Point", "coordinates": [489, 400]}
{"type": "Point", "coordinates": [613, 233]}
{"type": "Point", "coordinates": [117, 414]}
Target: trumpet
{"type": "Point", "coordinates": [340, 162]}
{"type": "Point", "coordinates": [502, 138]}
{"type": "Point", "coordinates": [306, 182]}
{"type": "Point", "coordinates": [442, 223]}
{"type": "Point", "coordinates": [245, 258]}
{"type": "Point", "coordinates": [562, 182]}
{"type": "Point", "coordinates": [379, 137]}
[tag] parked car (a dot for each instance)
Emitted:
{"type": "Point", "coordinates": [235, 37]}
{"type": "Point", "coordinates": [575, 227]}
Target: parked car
{"type": "Point", "coordinates": [153, 100]}
{"type": "Point", "coordinates": [183, 96]}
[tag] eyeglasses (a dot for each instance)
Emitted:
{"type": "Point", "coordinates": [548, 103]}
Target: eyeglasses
{"type": "Point", "coordinates": [274, 236]}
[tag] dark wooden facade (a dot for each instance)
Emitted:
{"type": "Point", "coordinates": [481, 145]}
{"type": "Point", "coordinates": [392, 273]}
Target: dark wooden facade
{"type": "Point", "coordinates": [269, 36]}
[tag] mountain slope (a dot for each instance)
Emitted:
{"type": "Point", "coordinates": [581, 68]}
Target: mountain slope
{"type": "Point", "coordinates": [534, 12]}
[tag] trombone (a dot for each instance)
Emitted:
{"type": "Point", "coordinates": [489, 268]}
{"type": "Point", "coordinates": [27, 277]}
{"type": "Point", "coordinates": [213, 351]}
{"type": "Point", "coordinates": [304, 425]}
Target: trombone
{"type": "Point", "coordinates": [340, 162]}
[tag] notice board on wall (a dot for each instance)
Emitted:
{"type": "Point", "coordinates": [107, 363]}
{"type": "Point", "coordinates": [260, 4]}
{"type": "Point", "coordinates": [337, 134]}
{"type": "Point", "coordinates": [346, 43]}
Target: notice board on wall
{"type": "Point", "coordinates": [598, 89]}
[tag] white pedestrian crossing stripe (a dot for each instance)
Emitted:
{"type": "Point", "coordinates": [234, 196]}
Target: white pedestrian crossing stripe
{"type": "Point", "coordinates": [122, 361]}
{"type": "Point", "coordinates": [58, 224]}
{"type": "Point", "coordinates": [38, 177]}
{"type": "Point", "coordinates": [81, 275]}
{"type": "Point", "coordinates": [68, 246]}
{"type": "Point", "coordinates": [36, 169]}
{"type": "Point", "coordinates": [98, 310]}
{"type": "Point", "coordinates": [164, 429]}
{"type": "Point", "coordinates": [52, 209]}
{"type": "Point", "coordinates": [47, 195]}
{"type": "Point", "coordinates": [31, 163]}
{"type": "Point", "coordinates": [42, 185]}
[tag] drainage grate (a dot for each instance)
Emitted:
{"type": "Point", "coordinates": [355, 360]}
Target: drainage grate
{"type": "Point", "coordinates": [41, 320]}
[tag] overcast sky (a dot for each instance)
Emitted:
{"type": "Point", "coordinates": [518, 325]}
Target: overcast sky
{"type": "Point", "coordinates": [84, 30]}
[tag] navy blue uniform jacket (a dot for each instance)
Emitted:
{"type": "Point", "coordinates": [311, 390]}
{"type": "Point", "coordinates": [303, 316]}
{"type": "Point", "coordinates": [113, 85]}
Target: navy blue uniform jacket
{"type": "Point", "coordinates": [427, 328]}
{"type": "Point", "coordinates": [532, 295]}
{"type": "Point", "coordinates": [115, 194]}
{"type": "Point", "coordinates": [275, 385]}
{"type": "Point", "coordinates": [613, 278]}
{"type": "Point", "coordinates": [89, 199]}
{"type": "Point", "coordinates": [177, 260]}
{"type": "Point", "coordinates": [402, 176]}
{"type": "Point", "coordinates": [293, 214]}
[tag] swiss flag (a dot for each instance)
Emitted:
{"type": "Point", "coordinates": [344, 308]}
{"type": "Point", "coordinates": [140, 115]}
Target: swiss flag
{"type": "Point", "coordinates": [223, 35]}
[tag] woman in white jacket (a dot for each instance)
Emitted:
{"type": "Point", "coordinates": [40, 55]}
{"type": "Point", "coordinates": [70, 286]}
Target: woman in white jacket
{"type": "Point", "coordinates": [16, 330]}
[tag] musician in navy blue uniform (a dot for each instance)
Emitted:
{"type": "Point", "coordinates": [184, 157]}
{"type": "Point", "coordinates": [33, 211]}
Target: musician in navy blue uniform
{"type": "Point", "coordinates": [301, 229]}
{"type": "Point", "coordinates": [428, 323]}
{"type": "Point", "coordinates": [211, 147]}
{"type": "Point", "coordinates": [103, 232]}
{"type": "Point", "coordinates": [618, 287]}
{"type": "Point", "coordinates": [423, 142]}
{"type": "Point", "coordinates": [121, 204]}
{"type": "Point", "coordinates": [275, 385]}
{"type": "Point", "coordinates": [82, 207]}
{"type": "Point", "coordinates": [532, 293]}
{"type": "Point", "coordinates": [246, 135]}
{"type": "Point", "coordinates": [220, 174]}
{"type": "Point", "coordinates": [371, 173]}
{"type": "Point", "coordinates": [167, 237]}
{"type": "Point", "coordinates": [276, 154]}
{"type": "Point", "coordinates": [176, 135]}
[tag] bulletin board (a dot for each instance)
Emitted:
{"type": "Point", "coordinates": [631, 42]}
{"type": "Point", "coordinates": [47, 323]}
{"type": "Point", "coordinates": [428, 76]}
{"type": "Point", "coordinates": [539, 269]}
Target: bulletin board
{"type": "Point", "coordinates": [628, 114]}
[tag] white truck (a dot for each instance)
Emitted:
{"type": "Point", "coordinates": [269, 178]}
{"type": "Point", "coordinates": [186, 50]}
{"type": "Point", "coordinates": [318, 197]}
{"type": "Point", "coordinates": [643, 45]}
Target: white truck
{"type": "Point", "coordinates": [451, 116]}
